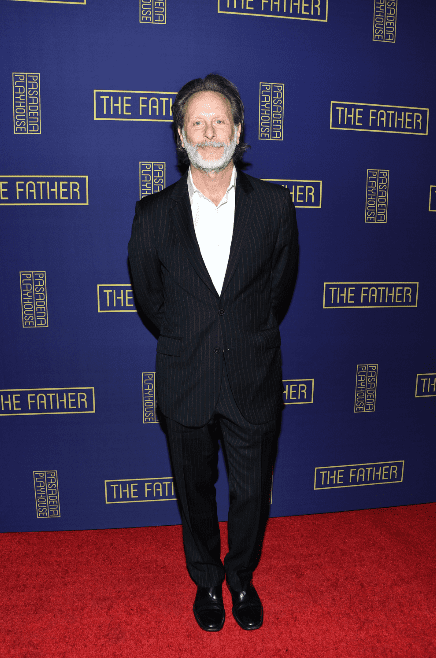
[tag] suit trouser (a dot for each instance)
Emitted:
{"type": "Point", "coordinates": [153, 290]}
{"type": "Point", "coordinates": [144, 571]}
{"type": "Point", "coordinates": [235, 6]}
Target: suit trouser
{"type": "Point", "coordinates": [249, 450]}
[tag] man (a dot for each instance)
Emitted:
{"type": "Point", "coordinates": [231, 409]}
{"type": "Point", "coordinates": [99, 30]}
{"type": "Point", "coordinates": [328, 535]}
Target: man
{"type": "Point", "coordinates": [213, 259]}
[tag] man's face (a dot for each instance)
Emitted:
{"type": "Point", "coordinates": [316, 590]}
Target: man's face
{"type": "Point", "coordinates": [209, 134]}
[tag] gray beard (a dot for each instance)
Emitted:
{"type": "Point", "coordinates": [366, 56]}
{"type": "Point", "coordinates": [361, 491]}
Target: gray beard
{"type": "Point", "coordinates": [210, 165]}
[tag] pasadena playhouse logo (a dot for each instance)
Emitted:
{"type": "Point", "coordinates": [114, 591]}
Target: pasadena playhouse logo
{"type": "Point", "coordinates": [115, 298]}
{"type": "Point", "coordinates": [358, 475]}
{"type": "Point", "coordinates": [377, 186]}
{"type": "Point", "coordinates": [113, 105]}
{"type": "Point", "coordinates": [432, 199]}
{"type": "Point", "coordinates": [304, 10]}
{"type": "Point", "coordinates": [153, 11]}
{"type": "Point", "coordinates": [271, 110]}
{"type": "Point", "coordinates": [151, 178]}
{"type": "Point", "coordinates": [304, 193]}
{"type": "Point", "coordinates": [149, 397]}
{"type": "Point", "coordinates": [141, 490]}
{"type": "Point", "coordinates": [366, 387]}
{"type": "Point", "coordinates": [46, 486]}
{"type": "Point", "coordinates": [43, 190]}
{"type": "Point", "coordinates": [26, 89]}
{"type": "Point", "coordinates": [426, 385]}
{"type": "Point", "coordinates": [40, 401]}
{"type": "Point", "coordinates": [373, 294]}
{"type": "Point", "coordinates": [379, 118]}
{"type": "Point", "coordinates": [385, 20]}
{"type": "Point", "coordinates": [298, 391]}
{"type": "Point", "coordinates": [33, 287]}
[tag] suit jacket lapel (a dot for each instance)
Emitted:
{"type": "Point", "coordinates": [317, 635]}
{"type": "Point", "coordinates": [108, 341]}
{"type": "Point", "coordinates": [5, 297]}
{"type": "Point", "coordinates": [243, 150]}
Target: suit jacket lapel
{"type": "Point", "coordinates": [182, 218]}
{"type": "Point", "coordinates": [242, 217]}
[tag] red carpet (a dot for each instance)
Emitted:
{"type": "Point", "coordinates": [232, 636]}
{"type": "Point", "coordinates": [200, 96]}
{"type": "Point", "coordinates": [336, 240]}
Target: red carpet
{"type": "Point", "coordinates": [345, 585]}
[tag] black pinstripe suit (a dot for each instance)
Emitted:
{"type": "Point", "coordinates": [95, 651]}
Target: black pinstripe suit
{"type": "Point", "coordinates": [217, 355]}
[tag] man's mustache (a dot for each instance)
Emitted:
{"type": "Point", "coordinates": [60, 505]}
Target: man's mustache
{"type": "Point", "coordinates": [214, 144]}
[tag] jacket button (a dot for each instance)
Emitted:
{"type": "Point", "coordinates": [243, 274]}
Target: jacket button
{"type": "Point", "coordinates": [221, 311]}
{"type": "Point", "coordinates": [217, 350]}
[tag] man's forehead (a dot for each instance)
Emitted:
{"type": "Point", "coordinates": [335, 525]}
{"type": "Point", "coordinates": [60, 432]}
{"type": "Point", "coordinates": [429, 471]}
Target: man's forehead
{"type": "Point", "coordinates": [207, 103]}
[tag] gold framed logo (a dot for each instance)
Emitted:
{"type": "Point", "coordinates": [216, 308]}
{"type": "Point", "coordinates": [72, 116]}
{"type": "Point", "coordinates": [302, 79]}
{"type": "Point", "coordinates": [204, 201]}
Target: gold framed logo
{"type": "Point", "coordinates": [425, 385]}
{"type": "Point", "coordinates": [42, 401]}
{"type": "Point", "coordinates": [115, 298]}
{"type": "Point", "coordinates": [151, 178]}
{"type": "Point", "coordinates": [432, 199]}
{"type": "Point", "coordinates": [40, 190]}
{"type": "Point", "coordinates": [117, 105]}
{"type": "Point", "coordinates": [366, 387]}
{"type": "Point", "coordinates": [377, 187]}
{"type": "Point", "coordinates": [271, 110]}
{"type": "Point", "coordinates": [141, 490]}
{"type": "Point", "coordinates": [304, 193]}
{"type": "Point", "coordinates": [298, 391]}
{"type": "Point", "coordinates": [27, 103]}
{"type": "Point", "coordinates": [374, 294]}
{"type": "Point", "coordinates": [370, 117]}
{"type": "Point", "coordinates": [384, 26]}
{"type": "Point", "coordinates": [149, 397]}
{"type": "Point", "coordinates": [46, 485]}
{"type": "Point", "coordinates": [153, 12]}
{"type": "Point", "coordinates": [358, 475]}
{"type": "Point", "coordinates": [57, 2]}
{"type": "Point", "coordinates": [302, 10]}
{"type": "Point", "coordinates": [33, 286]}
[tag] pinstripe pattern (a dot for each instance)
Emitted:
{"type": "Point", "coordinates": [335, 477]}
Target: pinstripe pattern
{"type": "Point", "coordinates": [173, 288]}
{"type": "Point", "coordinates": [218, 361]}
{"type": "Point", "coordinates": [250, 451]}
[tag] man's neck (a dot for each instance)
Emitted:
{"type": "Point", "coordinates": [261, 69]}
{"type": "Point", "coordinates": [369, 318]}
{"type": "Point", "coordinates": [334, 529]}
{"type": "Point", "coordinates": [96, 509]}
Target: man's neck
{"type": "Point", "coordinates": [212, 184]}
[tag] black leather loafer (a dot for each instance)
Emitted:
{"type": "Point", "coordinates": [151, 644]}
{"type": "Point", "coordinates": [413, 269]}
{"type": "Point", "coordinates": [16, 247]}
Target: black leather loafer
{"type": "Point", "coordinates": [209, 608]}
{"type": "Point", "coordinates": [247, 608]}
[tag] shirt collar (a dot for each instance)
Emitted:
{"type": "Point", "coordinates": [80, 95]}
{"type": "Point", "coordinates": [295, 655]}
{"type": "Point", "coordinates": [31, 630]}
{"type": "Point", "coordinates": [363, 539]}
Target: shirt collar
{"type": "Point", "coordinates": [192, 189]}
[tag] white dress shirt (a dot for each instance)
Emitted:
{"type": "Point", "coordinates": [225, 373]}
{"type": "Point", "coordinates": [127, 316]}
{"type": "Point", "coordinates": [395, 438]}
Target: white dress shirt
{"type": "Point", "coordinates": [214, 228]}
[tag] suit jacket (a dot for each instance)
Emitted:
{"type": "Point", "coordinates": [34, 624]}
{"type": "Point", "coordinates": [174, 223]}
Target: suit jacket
{"type": "Point", "coordinates": [196, 325]}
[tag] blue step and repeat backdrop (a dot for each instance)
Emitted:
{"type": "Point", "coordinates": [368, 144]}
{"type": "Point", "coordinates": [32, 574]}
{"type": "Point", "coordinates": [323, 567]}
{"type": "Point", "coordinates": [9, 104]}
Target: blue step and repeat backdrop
{"type": "Point", "coordinates": [339, 98]}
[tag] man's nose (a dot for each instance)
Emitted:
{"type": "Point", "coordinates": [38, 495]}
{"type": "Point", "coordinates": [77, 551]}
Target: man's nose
{"type": "Point", "coordinates": [209, 130]}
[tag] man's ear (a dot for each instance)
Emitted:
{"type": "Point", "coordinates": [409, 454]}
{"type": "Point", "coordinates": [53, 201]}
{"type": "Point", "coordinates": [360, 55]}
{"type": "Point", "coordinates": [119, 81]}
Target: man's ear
{"type": "Point", "coordinates": [181, 138]}
{"type": "Point", "coordinates": [238, 132]}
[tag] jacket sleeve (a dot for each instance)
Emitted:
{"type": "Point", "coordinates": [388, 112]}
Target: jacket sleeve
{"type": "Point", "coordinates": [145, 267]}
{"type": "Point", "coordinates": [285, 260]}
